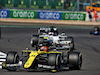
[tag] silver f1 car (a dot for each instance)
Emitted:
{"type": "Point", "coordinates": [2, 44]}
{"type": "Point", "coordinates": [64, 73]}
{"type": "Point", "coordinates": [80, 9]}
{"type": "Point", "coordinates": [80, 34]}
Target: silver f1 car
{"type": "Point", "coordinates": [61, 41]}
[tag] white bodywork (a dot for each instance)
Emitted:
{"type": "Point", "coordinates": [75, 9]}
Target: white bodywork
{"type": "Point", "coordinates": [58, 39]}
{"type": "Point", "coordinates": [2, 58]}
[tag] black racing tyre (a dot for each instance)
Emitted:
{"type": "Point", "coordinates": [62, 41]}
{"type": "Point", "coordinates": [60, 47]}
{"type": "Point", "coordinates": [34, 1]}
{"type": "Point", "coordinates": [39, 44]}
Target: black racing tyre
{"type": "Point", "coordinates": [40, 41]}
{"type": "Point", "coordinates": [32, 45]}
{"type": "Point", "coordinates": [74, 60]}
{"type": "Point", "coordinates": [35, 40]}
{"type": "Point", "coordinates": [54, 60]}
{"type": "Point", "coordinates": [96, 29]}
{"type": "Point", "coordinates": [12, 58]}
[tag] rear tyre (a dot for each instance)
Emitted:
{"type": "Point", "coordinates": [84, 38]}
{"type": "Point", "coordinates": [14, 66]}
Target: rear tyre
{"type": "Point", "coordinates": [54, 60]}
{"type": "Point", "coordinates": [74, 60]}
{"type": "Point", "coordinates": [40, 41]}
{"type": "Point", "coordinates": [12, 58]}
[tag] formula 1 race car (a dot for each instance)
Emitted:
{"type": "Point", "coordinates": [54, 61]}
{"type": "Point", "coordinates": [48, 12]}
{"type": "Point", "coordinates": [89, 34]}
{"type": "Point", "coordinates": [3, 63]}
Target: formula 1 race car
{"type": "Point", "coordinates": [95, 31]}
{"type": "Point", "coordinates": [43, 59]}
{"type": "Point", "coordinates": [61, 41]}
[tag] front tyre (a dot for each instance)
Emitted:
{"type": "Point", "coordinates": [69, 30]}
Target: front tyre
{"type": "Point", "coordinates": [34, 40]}
{"type": "Point", "coordinates": [12, 58]}
{"type": "Point", "coordinates": [54, 60]}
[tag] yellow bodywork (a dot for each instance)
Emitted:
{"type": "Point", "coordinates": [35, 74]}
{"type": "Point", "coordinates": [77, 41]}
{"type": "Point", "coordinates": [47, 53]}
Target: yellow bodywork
{"type": "Point", "coordinates": [33, 55]}
{"type": "Point", "coordinates": [31, 58]}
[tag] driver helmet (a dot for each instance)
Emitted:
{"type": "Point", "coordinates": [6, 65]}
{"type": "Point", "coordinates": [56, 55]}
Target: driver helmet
{"type": "Point", "coordinates": [44, 48]}
{"type": "Point", "coordinates": [51, 33]}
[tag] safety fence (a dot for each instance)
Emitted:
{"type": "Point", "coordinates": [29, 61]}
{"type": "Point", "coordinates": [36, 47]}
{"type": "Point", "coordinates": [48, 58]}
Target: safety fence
{"type": "Point", "coordinates": [66, 5]}
{"type": "Point", "coordinates": [53, 15]}
{"type": "Point", "coordinates": [38, 4]}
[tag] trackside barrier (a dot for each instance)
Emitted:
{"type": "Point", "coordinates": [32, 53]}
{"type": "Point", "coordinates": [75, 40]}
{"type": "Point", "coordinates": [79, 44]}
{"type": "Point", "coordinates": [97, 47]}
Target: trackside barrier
{"type": "Point", "coordinates": [73, 16]}
{"type": "Point", "coordinates": [52, 15]}
{"type": "Point", "coordinates": [49, 15]}
{"type": "Point", "coordinates": [23, 14]}
{"type": "Point", "coordinates": [4, 13]}
{"type": "Point", "coordinates": [2, 58]}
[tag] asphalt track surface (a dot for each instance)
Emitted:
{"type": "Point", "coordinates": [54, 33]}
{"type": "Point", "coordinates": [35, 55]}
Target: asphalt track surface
{"type": "Point", "coordinates": [17, 39]}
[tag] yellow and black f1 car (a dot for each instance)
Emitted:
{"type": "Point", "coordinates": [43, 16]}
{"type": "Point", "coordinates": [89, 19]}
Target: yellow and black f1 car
{"type": "Point", "coordinates": [43, 58]}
